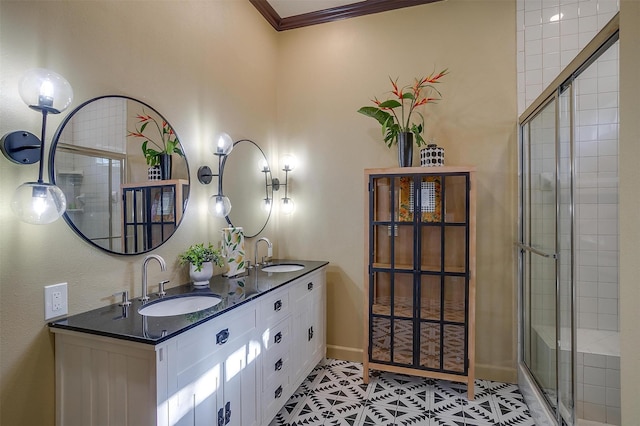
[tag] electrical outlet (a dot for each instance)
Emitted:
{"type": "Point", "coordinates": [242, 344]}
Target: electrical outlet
{"type": "Point", "coordinates": [55, 300]}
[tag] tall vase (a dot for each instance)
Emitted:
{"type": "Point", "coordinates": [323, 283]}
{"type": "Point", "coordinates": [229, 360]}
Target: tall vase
{"type": "Point", "coordinates": [165, 166]}
{"type": "Point", "coordinates": [405, 149]}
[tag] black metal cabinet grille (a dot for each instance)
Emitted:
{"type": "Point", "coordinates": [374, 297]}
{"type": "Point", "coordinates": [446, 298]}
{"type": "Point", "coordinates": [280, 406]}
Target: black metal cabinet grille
{"type": "Point", "coordinates": [419, 271]}
{"type": "Point", "coordinates": [151, 214]}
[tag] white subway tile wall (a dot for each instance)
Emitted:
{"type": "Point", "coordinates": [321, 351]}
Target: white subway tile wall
{"type": "Point", "coordinates": [550, 33]}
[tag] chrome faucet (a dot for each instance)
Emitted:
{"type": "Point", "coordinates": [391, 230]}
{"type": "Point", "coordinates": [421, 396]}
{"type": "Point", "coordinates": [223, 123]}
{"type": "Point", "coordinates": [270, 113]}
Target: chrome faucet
{"type": "Point", "coordinates": [145, 262]}
{"type": "Point", "coordinates": [269, 250]}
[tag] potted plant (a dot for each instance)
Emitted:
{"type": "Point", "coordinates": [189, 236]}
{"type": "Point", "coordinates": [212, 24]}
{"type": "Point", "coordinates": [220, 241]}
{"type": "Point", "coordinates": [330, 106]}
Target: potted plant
{"type": "Point", "coordinates": [201, 259]}
{"type": "Point", "coordinates": [157, 149]}
{"type": "Point", "coordinates": [395, 114]}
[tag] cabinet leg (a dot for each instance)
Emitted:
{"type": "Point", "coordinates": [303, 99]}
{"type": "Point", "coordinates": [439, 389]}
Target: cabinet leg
{"type": "Point", "coordinates": [365, 376]}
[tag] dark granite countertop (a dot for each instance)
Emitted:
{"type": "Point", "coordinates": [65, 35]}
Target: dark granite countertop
{"type": "Point", "coordinates": [126, 323]}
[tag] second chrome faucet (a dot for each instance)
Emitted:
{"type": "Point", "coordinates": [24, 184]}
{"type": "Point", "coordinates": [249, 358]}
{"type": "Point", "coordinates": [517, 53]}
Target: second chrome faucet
{"type": "Point", "coordinates": [269, 251]}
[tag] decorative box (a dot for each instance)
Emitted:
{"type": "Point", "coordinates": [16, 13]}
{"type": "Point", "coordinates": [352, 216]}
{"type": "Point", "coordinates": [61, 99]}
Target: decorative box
{"type": "Point", "coordinates": [431, 156]}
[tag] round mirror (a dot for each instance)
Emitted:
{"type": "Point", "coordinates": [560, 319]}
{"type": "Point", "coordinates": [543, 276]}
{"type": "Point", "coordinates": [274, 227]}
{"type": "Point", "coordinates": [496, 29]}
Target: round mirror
{"type": "Point", "coordinates": [246, 180]}
{"type": "Point", "coordinates": [123, 171]}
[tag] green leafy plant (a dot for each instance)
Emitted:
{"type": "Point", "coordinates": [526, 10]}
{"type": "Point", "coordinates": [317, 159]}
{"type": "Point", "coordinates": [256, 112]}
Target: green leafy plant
{"type": "Point", "coordinates": [394, 115]}
{"type": "Point", "coordinates": [197, 254]}
{"type": "Point", "coordinates": [166, 141]}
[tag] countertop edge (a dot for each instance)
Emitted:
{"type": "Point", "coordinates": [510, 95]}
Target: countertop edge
{"type": "Point", "coordinates": [56, 326]}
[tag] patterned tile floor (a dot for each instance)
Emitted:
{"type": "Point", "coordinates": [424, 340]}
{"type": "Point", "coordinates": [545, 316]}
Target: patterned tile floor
{"type": "Point", "coordinates": [334, 394]}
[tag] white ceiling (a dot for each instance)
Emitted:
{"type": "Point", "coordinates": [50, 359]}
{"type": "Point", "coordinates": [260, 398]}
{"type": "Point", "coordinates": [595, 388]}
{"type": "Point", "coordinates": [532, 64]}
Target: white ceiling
{"type": "Point", "coordinates": [287, 8]}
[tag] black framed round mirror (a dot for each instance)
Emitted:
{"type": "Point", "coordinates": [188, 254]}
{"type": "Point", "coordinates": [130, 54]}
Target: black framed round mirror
{"type": "Point", "coordinates": [247, 184]}
{"type": "Point", "coordinates": [123, 171]}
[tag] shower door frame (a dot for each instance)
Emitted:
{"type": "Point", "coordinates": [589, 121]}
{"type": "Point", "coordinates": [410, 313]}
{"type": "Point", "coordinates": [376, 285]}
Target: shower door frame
{"type": "Point", "coordinates": [599, 44]}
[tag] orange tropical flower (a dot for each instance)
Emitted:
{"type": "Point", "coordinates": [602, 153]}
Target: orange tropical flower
{"type": "Point", "coordinates": [405, 99]}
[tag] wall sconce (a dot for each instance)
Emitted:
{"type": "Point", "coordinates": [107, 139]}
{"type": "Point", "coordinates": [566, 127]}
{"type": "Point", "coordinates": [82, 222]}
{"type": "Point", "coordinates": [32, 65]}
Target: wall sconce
{"type": "Point", "coordinates": [37, 202]}
{"type": "Point", "coordinates": [219, 204]}
{"type": "Point", "coordinates": [288, 164]}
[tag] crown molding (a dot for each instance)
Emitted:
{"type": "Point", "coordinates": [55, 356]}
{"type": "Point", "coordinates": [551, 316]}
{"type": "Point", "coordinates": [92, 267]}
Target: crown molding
{"type": "Point", "coordinates": [366, 7]}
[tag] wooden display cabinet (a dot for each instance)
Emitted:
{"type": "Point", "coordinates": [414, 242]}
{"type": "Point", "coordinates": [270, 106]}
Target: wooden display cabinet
{"type": "Point", "coordinates": [420, 272]}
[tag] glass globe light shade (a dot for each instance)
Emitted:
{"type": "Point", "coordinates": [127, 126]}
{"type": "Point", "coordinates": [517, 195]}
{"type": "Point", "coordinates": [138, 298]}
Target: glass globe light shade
{"type": "Point", "coordinates": [288, 206]}
{"type": "Point", "coordinates": [219, 205]}
{"type": "Point", "coordinates": [223, 144]}
{"type": "Point", "coordinates": [38, 203]}
{"type": "Point", "coordinates": [267, 204]}
{"type": "Point", "coordinates": [45, 90]}
{"type": "Point", "coordinates": [263, 166]}
{"type": "Point", "coordinates": [288, 162]}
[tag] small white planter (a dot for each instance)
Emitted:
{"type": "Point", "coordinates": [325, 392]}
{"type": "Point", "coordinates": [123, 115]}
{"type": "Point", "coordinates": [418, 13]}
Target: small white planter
{"type": "Point", "coordinates": [201, 278]}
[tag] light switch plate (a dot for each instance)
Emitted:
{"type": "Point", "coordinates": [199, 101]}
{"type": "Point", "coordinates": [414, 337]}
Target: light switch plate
{"type": "Point", "coordinates": [55, 301]}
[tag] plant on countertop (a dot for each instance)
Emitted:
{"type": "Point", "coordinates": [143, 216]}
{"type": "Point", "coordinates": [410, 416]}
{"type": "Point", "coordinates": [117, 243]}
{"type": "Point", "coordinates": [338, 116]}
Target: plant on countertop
{"type": "Point", "coordinates": [166, 142]}
{"type": "Point", "coordinates": [407, 99]}
{"type": "Point", "coordinates": [198, 254]}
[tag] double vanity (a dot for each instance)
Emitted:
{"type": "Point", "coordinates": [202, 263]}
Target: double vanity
{"type": "Point", "coordinates": [235, 360]}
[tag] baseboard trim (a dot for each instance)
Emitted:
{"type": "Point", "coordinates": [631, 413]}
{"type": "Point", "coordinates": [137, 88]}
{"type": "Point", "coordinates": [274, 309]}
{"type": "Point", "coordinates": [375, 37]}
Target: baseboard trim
{"type": "Point", "coordinates": [483, 371]}
{"type": "Point", "coordinates": [344, 353]}
{"type": "Point", "coordinates": [496, 374]}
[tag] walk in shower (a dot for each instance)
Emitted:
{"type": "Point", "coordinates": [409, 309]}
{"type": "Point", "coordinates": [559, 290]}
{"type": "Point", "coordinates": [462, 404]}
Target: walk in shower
{"type": "Point", "coordinates": [569, 356]}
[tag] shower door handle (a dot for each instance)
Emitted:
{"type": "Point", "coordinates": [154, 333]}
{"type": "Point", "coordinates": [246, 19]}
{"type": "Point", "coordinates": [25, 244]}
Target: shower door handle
{"type": "Point", "coordinates": [537, 251]}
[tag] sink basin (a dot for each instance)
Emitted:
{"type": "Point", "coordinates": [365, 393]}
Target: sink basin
{"type": "Point", "coordinates": [179, 305]}
{"type": "Point", "coordinates": [283, 267]}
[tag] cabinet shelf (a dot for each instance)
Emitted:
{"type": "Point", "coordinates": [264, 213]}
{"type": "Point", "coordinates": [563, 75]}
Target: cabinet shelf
{"type": "Point", "coordinates": [420, 273]}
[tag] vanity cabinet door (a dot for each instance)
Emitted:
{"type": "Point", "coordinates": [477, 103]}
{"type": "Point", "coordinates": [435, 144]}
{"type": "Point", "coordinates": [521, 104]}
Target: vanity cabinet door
{"type": "Point", "coordinates": [215, 372]}
{"type": "Point", "coordinates": [308, 324]}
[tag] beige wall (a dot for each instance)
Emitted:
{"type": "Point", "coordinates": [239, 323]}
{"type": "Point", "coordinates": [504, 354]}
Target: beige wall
{"type": "Point", "coordinates": [327, 72]}
{"type": "Point", "coordinates": [629, 210]}
{"type": "Point", "coordinates": [206, 66]}
{"type": "Point", "coordinates": [217, 65]}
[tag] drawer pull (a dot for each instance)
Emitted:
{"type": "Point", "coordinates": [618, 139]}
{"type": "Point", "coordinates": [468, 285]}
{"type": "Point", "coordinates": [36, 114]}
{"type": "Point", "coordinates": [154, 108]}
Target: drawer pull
{"type": "Point", "coordinates": [278, 365]}
{"type": "Point", "coordinates": [310, 286]}
{"type": "Point", "coordinates": [278, 305]}
{"type": "Point", "coordinates": [310, 333]}
{"type": "Point", "coordinates": [227, 414]}
{"type": "Point", "coordinates": [278, 337]}
{"type": "Point", "coordinates": [222, 337]}
{"type": "Point", "coordinates": [278, 392]}
{"type": "Point", "coordinates": [221, 417]}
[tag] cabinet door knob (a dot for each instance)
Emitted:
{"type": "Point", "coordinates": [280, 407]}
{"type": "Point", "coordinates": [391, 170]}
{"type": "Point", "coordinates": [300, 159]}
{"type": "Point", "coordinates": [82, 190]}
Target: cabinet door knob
{"type": "Point", "coordinates": [221, 417]}
{"type": "Point", "coordinates": [310, 286]}
{"type": "Point", "coordinates": [278, 392]}
{"type": "Point", "coordinates": [278, 365]}
{"type": "Point", "coordinates": [278, 305]}
{"type": "Point", "coordinates": [222, 337]}
{"type": "Point", "coordinates": [310, 333]}
{"type": "Point", "coordinates": [278, 337]}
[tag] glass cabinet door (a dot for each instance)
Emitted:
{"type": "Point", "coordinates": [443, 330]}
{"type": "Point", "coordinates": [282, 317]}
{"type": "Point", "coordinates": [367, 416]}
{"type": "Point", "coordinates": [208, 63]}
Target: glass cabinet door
{"type": "Point", "coordinates": [443, 250]}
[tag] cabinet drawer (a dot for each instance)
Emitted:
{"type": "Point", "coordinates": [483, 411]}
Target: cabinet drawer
{"type": "Point", "coordinates": [214, 335]}
{"type": "Point", "coordinates": [276, 369]}
{"type": "Point", "coordinates": [274, 397]}
{"type": "Point", "coordinates": [274, 307]}
{"type": "Point", "coordinates": [277, 336]}
{"type": "Point", "coordinates": [306, 286]}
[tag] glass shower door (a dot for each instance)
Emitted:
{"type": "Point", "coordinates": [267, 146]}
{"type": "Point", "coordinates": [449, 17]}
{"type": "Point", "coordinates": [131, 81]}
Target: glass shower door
{"type": "Point", "coordinates": [538, 249]}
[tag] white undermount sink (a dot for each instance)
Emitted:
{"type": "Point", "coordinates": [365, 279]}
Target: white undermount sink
{"type": "Point", "coordinates": [283, 267]}
{"type": "Point", "coordinates": [179, 305]}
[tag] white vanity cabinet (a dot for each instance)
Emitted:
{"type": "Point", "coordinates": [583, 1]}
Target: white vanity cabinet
{"type": "Point", "coordinates": [293, 337]}
{"type": "Point", "coordinates": [237, 369]}
{"type": "Point", "coordinates": [208, 375]}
